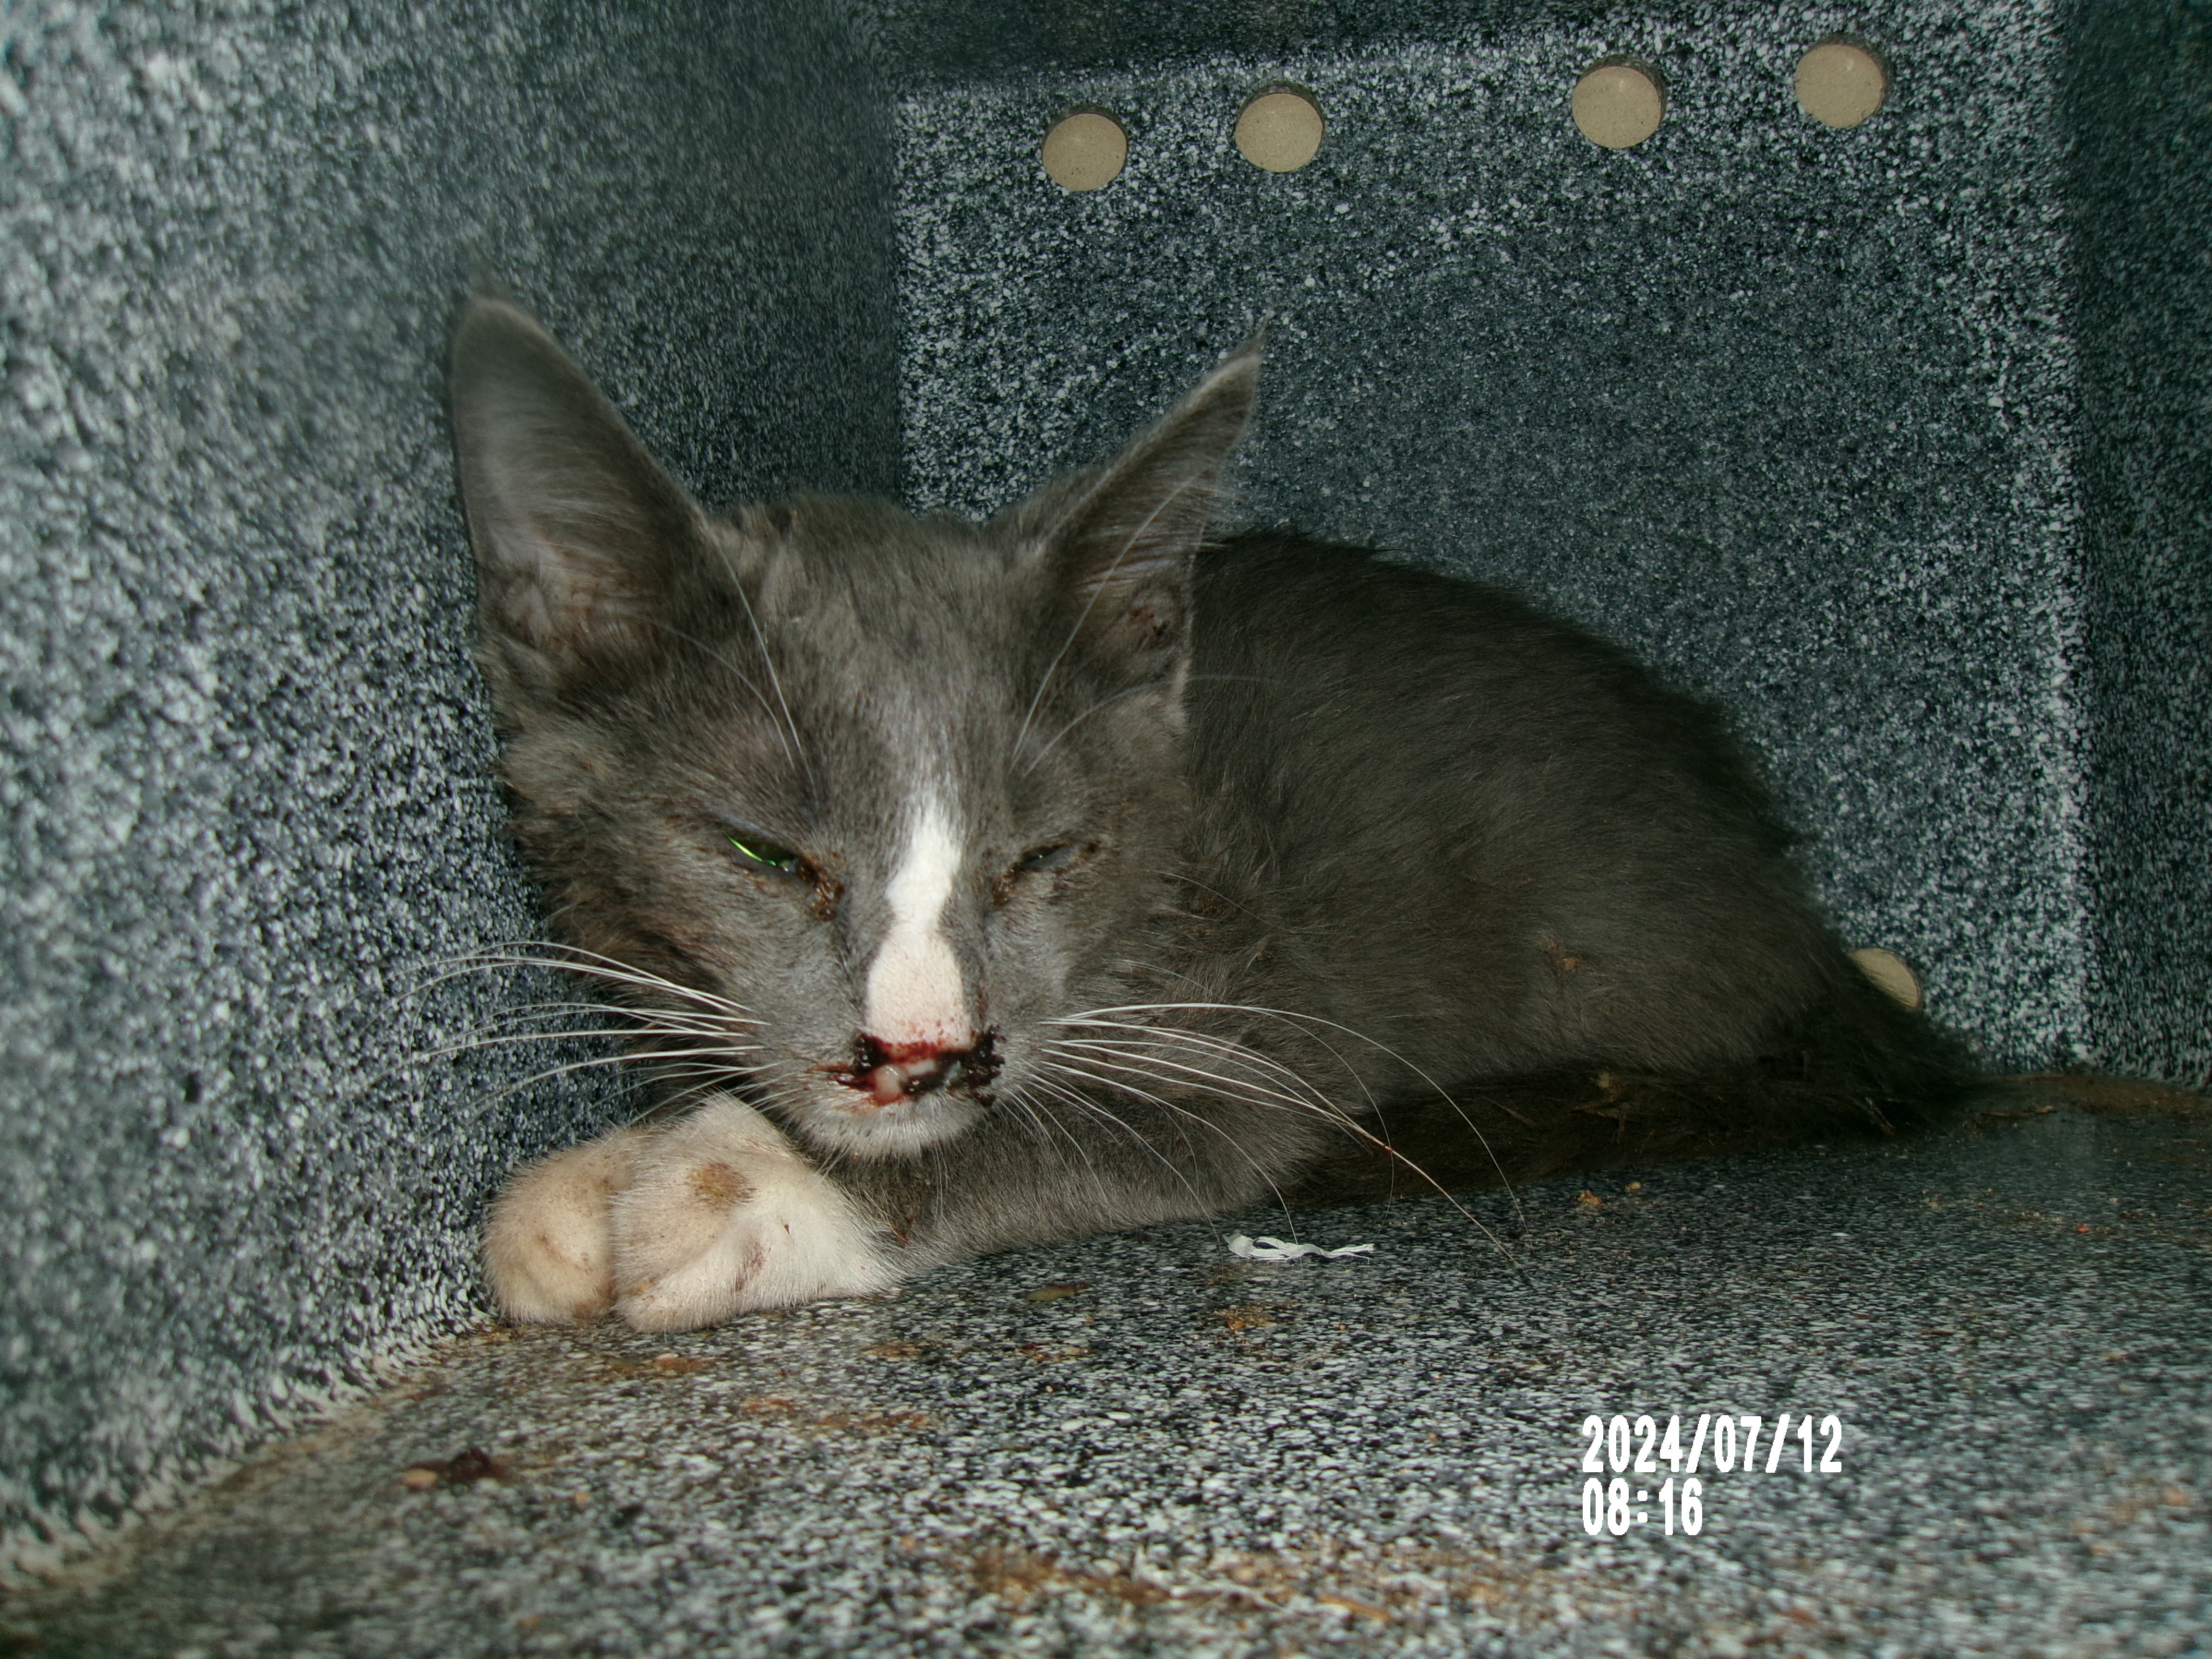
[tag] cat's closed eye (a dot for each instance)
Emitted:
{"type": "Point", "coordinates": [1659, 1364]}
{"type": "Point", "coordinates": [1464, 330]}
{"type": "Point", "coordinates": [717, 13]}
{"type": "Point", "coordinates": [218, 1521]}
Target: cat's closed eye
{"type": "Point", "coordinates": [1048, 859]}
{"type": "Point", "coordinates": [761, 854]}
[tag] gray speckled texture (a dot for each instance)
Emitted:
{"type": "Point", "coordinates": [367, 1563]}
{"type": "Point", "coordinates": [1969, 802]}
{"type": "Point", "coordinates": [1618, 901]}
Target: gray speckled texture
{"type": "Point", "coordinates": [1789, 412]}
{"type": "Point", "coordinates": [1377, 1455]}
{"type": "Point", "coordinates": [2141, 95]}
{"type": "Point", "coordinates": [244, 761]}
{"type": "Point", "coordinates": [1894, 439]}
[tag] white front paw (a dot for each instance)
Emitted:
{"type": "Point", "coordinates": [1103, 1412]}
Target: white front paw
{"type": "Point", "coordinates": [720, 1215]}
{"type": "Point", "coordinates": [548, 1245]}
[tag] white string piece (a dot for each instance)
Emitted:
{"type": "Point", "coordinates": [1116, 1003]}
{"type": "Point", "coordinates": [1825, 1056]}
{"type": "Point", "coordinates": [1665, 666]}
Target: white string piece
{"type": "Point", "coordinates": [1277, 1249]}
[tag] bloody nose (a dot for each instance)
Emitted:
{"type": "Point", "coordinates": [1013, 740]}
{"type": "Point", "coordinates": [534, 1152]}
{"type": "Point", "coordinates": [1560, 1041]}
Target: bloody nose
{"type": "Point", "coordinates": [892, 1071]}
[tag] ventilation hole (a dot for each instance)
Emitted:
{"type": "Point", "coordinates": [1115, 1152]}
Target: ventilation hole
{"type": "Point", "coordinates": [1840, 82]}
{"type": "Point", "coordinates": [1086, 150]}
{"type": "Point", "coordinates": [1618, 103]}
{"type": "Point", "coordinates": [1280, 131]}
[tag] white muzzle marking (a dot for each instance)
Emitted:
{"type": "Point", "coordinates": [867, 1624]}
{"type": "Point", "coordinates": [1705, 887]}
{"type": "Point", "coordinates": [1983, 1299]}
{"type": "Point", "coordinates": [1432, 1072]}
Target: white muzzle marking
{"type": "Point", "coordinates": [914, 996]}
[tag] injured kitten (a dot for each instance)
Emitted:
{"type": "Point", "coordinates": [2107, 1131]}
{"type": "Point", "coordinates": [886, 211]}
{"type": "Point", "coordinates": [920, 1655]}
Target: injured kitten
{"type": "Point", "coordinates": [972, 886]}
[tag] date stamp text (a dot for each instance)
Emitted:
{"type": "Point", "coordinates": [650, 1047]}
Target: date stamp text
{"type": "Point", "coordinates": [1721, 1443]}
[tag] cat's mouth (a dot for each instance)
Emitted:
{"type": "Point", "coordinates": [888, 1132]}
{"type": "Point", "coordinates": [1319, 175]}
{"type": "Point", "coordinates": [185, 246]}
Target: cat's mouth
{"type": "Point", "coordinates": [882, 1075]}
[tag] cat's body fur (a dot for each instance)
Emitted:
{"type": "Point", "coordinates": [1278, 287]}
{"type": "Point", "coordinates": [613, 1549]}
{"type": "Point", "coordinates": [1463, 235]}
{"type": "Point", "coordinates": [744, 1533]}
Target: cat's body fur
{"type": "Point", "coordinates": [1010, 883]}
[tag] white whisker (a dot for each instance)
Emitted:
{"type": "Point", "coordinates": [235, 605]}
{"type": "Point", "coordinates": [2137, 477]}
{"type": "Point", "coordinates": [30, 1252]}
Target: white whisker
{"type": "Point", "coordinates": [575, 959]}
{"type": "Point", "coordinates": [674, 1023]}
{"type": "Point", "coordinates": [1103, 704]}
{"type": "Point", "coordinates": [510, 1038]}
{"type": "Point", "coordinates": [1214, 1083]}
{"type": "Point", "coordinates": [1221, 1046]}
{"type": "Point", "coordinates": [1290, 1015]}
{"type": "Point", "coordinates": [1066, 1070]}
{"type": "Point", "coordinates": [486, 1103]}
{"type": "Point", "coordinates": [1093, 1108]}
{"type": "Point", "coordinates": [742, 678]}
{"type": "Point", "coordinates": [796, 749]}
{"type": "Point", "coordinates": [1043, 1118]}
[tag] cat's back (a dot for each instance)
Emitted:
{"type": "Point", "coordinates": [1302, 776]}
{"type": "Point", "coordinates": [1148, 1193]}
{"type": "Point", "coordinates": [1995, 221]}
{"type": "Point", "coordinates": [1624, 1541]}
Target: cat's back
{"type": "Point", "coordinates": [1383, 664]}
{"type": "Point", "coordinates": [1463, 809]}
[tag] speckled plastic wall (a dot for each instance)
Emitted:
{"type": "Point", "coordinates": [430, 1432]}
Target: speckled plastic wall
{"type": "Point", "coordinates": [1892, 439]}
{"type": "Point", "coordinates": [1791, 412]}
{"type": "Point", "coordinates": [245, 777]}
{"type": "Point", "coordinates": [2139, 92]}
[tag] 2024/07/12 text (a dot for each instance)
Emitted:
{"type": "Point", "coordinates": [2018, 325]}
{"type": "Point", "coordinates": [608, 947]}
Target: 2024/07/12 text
{"type": "Point", "coordinates": [1733, 1443]}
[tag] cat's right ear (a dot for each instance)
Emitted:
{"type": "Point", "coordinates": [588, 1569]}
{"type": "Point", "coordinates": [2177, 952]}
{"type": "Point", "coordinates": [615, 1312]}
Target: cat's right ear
{"type": "Point", "coordinates": [577, 529]}
{"type": "Point", "coordinates": [1123, 537]}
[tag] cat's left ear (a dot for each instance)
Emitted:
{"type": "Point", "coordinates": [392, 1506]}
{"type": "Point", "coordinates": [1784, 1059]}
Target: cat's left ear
{"type": "Point", "coordinates": [1122, 537]}
{"type": "Point", "coordinates": [578, 532]}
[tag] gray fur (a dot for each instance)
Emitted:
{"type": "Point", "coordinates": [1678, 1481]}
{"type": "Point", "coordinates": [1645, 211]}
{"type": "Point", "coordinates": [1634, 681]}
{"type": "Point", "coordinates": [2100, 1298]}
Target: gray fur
{"type": "Point", "coordinates": [1419, 864]}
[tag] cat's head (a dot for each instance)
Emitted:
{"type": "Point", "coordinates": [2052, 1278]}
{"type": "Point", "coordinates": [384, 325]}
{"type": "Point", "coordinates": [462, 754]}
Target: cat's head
{"type": "Point", "coordinates": [883, 793]}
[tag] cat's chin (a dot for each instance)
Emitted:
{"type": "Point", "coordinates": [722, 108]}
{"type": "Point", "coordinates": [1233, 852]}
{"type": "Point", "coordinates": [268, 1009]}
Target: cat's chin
{"type": "Point", "coordinates": [876, 1133]}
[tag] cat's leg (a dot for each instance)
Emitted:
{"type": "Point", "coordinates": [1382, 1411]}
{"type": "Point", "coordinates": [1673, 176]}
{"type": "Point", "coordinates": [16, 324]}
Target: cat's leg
{"type": "Point", "coordinates": [549, 1245]}
{"type": "Point", "coordinates": [721, 1214]}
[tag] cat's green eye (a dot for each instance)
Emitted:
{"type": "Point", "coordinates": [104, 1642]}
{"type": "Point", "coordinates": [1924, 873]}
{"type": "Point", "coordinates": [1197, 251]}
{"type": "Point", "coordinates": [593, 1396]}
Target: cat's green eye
{"type": "Point", "coordinates": [1049, 858]}
{"type": "Point", "coordinates": [767, 854]}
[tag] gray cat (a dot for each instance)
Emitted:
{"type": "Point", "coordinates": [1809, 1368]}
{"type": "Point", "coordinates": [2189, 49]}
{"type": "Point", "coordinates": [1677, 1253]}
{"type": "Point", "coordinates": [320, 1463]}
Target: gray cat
{"type": "Point", "coordinates": [972, 886]}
